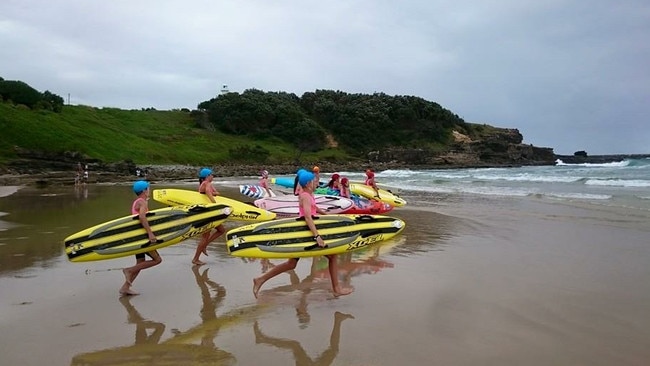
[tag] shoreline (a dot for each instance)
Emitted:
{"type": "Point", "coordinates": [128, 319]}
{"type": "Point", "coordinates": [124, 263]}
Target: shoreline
{"type": "Point", "coordinates": [115, 173]}
{"type": "Point", "coordinates": [175, 172]}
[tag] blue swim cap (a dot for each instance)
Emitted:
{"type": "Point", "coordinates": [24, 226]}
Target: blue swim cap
{"type": "Point", "coordinates": [305, 177]}
{"type": "Point", "coordinates": [300, 171]}
{"type": "Point", "coordinates": [204, 173]}
{"type": "Point", "coordinates": [140, 186]}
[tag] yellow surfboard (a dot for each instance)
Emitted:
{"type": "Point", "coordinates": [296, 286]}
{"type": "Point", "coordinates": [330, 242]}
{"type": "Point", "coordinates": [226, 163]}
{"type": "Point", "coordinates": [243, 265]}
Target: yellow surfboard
{"type": "Point", "coordinates": [125, 236]}
{"type": "Point", "coordinates": [384, 195]}
{"type": "Point", "coordinates": [291, 238]}
{"type": "Point", "coordinates": [240, 211]}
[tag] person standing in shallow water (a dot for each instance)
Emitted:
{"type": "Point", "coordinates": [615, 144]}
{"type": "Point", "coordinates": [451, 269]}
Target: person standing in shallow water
{"type": "Point", "coordinates": [307, 208]}
{"type": "Point", "coordinates": [206, 187]}
{"type": "Point", "coordinates": [140, 207]}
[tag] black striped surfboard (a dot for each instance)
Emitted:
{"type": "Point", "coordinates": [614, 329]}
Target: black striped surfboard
{"type": "Point", "coordinates": [291, 238]}
{"type": "Point", "coordinates": [126, 236]}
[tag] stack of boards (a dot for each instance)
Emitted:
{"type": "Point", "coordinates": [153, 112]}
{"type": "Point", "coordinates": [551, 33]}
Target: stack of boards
{"type": "Point", "coordinates": [288, 205]}
{"type": "Point", "coordinates": [356, 188]}
{"type": "Point", "coordinates": [240, 211]}
{"type": "Point", "coordinates": [125, 236]}
{"type": "Point", "coordinates": [292, 238]}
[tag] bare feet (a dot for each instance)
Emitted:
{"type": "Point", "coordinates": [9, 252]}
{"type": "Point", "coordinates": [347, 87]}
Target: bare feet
{"type": "Point", "coordinates": [128, 292]}
{"type": "Point", "coordinates": [342, 291]}
{"type": "Point", "coordinates": [256, 286]}
{"type": "Point", "coordinates": [198, 262]}
{"type": "Point", "coordinates": [342, 316]}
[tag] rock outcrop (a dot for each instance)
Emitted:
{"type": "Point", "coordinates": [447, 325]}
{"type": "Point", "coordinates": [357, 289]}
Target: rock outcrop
{"type": "Point", "coordinates": [501, 147]}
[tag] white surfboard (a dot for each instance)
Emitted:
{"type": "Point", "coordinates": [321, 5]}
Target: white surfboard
{"type": "Point", "coordinates": [287, 205]}
{"type": "Point", "coordinates": [255, 191]}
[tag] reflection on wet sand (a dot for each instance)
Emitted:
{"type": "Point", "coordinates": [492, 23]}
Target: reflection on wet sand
{"type": "Point", "coordinates": [148, 350]}
{"type": "Point", "coordinates": [210, 303]}
{"type": "Point", "coordinates": [315, 286]}
{"type": "Point", "coordinates": [300, 356]}
{"type": "Point", "coordinates": [350, 264]}
{"type": "Point", "coordinates": [142, 336]}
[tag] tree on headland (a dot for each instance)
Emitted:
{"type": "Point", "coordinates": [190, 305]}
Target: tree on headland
{"type": "Point", "coordinates": [357, 123]}
{"type": "Point", "coordinates": [20, 93]}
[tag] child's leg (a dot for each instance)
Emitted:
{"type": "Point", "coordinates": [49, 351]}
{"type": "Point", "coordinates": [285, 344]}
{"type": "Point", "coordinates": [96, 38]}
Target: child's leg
{"type": "Point", "coordinates": [286, 266]}
{"type": "Point", "coordinates": [334, 277]}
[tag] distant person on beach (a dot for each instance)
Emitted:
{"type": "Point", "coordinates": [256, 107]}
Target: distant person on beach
{"type": "Point", "coordinates": [370, 181]}
{"type": "Point", "coordinates": [307, 208]}
{"type": "Point", "coordinates": [206, 188]}
{"type": "Point", "coordinates": [264, 181]}
{"type": "Point", "coordinates": [85, 176]}
{"type": "Point", "coordinates": [345, 187]}
{"type": "Point", "coordinates": [77, 179]}
{"type": "Point", "coordinates": [140, 207]}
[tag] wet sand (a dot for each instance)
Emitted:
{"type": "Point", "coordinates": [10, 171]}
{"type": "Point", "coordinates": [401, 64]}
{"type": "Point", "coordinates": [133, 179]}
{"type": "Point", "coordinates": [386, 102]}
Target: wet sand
{"type": "Point", "coordinates": [470, 281]}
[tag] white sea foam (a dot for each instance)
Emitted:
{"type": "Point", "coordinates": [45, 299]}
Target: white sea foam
{"type": "Point", "coordinates": [468, 189]}
{"type": "Point", "coordinates": [617, 183]}
{"type": "Point", "coordinates": [580, 196]}
{"type": "Point", "coordinates": [623, 163]}
{"type": "Point", "coordinates": [527, 177]}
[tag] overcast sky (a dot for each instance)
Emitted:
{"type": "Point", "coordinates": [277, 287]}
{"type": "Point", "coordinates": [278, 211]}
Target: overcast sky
{"type": "Point", "coordinates": [569, 74]}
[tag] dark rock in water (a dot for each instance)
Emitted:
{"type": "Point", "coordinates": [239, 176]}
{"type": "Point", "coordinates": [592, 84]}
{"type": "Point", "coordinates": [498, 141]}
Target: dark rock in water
{"type": "Point", "coordinates": [598, 159]}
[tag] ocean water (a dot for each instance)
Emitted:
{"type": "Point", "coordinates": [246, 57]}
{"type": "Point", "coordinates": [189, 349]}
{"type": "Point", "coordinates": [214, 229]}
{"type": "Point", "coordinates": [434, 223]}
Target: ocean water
{"type": "Point", "coordinates": [624, 184]}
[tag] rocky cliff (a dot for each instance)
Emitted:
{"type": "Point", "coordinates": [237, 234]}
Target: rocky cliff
{"type": "Point", "coordinates": [499, 147]}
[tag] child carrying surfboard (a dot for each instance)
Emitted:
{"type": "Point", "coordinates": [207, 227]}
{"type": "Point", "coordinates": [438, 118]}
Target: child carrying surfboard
{"type": "Point", "coordinates": [308, 208]}
{"type": "Point", "coordinates": [206, 187]}
{"type": "Point", "coordinates": [140, 207]}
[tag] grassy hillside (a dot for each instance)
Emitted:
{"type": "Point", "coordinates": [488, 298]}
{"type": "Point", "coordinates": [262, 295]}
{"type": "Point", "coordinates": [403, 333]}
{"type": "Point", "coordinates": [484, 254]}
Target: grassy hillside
{"type": "Point", "coordinates": [145, 137]}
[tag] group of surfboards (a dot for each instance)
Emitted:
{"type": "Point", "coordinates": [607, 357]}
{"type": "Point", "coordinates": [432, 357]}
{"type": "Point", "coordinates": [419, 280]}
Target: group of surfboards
{"type": "Point", "coordinates": [362, 198]}
{"type": "Point", "coordinates": [271, 228]}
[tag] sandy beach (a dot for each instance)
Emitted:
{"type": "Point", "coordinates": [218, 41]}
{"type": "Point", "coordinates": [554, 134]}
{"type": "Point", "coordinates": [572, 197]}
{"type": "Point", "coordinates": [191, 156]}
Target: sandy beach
{"type": "Point", "coordinates": [469, 281]}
